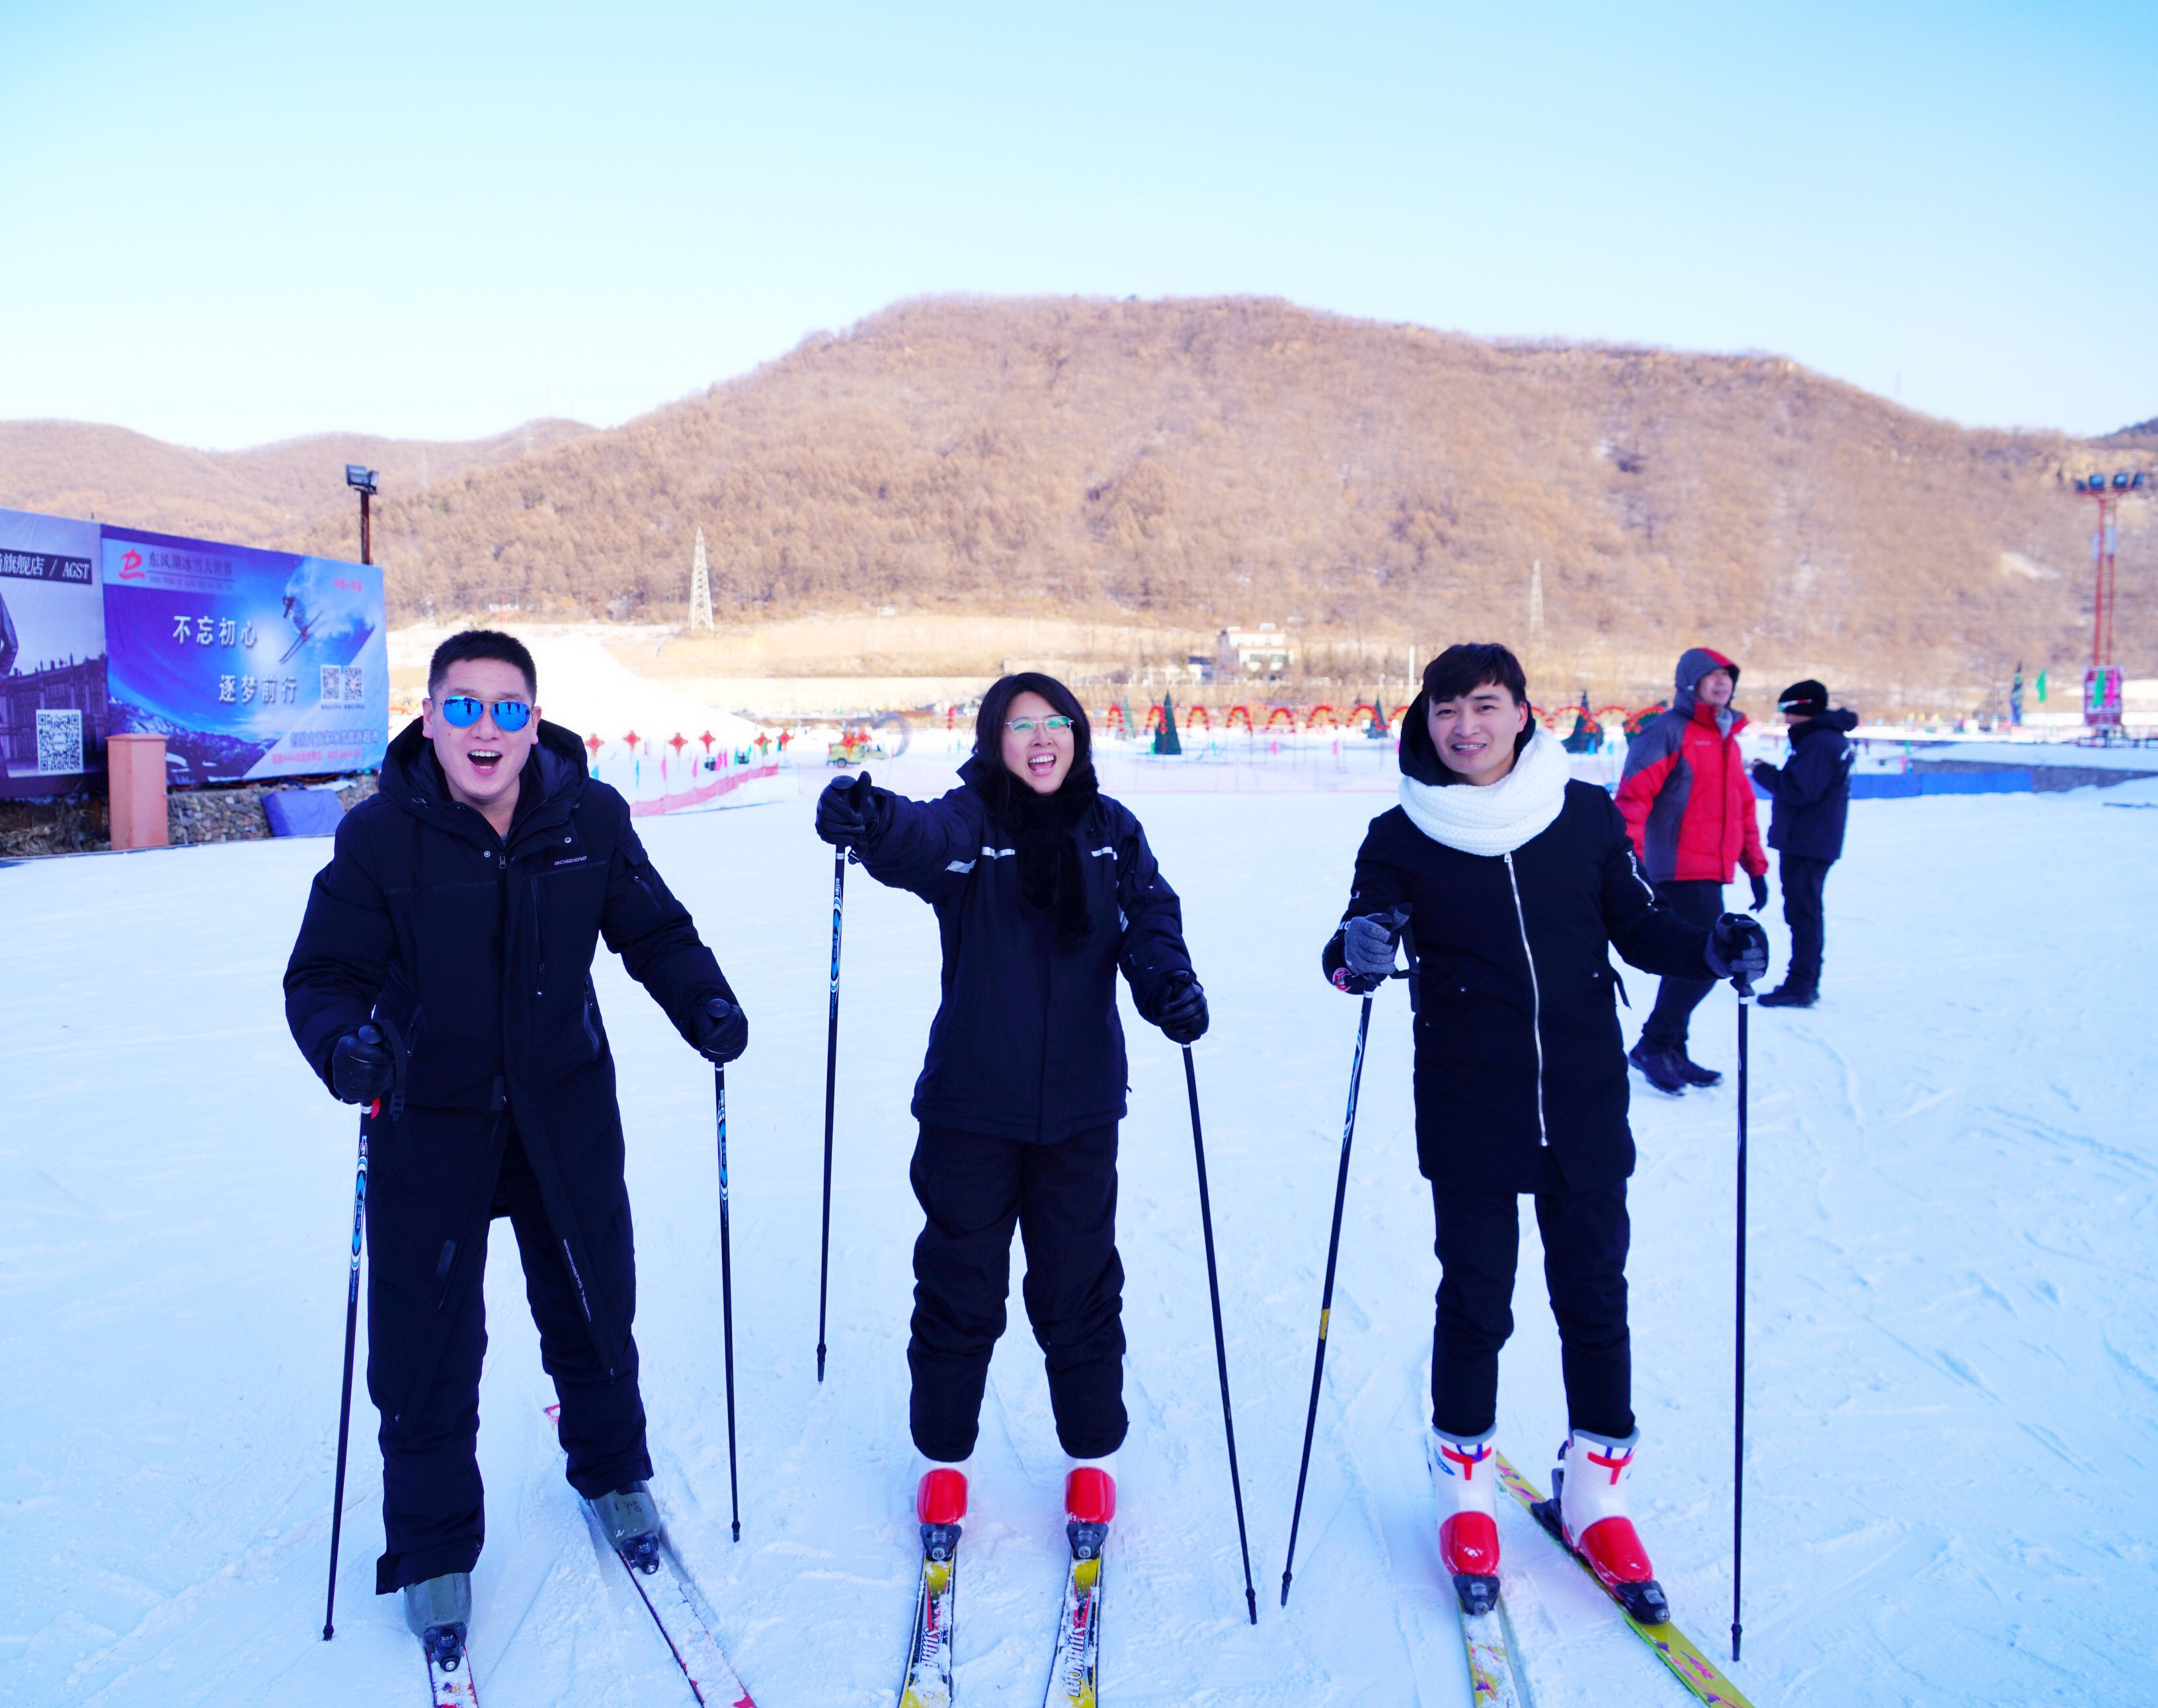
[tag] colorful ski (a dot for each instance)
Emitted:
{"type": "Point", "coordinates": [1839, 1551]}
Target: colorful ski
{"type": "Point", "coordinates": [1074, 1668]}
{"type": "Point", "coordinates": [1673, 1647]}
{"type": "Point", "coordinates": [1485, 1636]}
{"type": "Point", "coordinates": [928, 1680]}
{"type": "Point", "coordinates": [451, 1689]}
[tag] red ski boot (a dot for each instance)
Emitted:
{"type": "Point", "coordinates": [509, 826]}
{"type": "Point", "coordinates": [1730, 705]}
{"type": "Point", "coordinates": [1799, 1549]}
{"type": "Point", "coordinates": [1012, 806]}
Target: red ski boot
{"type": "Point", "coordinates": [1090, 1503]}
{"type": "Point", "coordinates": [1590, 1518]}
{"type": "Point", "coordinates": [1464, 1476]}
{"type": "Point", "coordinates": [940, 1502]}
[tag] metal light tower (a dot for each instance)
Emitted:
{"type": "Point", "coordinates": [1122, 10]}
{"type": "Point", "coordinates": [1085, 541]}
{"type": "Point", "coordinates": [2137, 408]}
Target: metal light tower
{"type": "Point", "coordinates": [700, 588]}
{"type": "Point", "coordinates": [2102, 680]}
{"type": "Point", "coordinates": [361, 479]}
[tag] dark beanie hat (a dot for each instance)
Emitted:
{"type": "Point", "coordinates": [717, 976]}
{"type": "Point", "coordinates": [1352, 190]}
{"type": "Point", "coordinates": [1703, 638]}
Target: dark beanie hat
{"type": "Point", "coordinates": [1808, 698]}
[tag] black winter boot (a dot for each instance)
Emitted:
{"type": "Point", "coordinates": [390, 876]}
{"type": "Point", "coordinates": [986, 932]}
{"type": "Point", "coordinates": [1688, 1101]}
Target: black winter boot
{"type": "Point", "coordinates": [1691, 1071]}
{"type": "Point", "coordinates": [1658, 1067]}
{"type": "Point", "coordinates": [1790, 996]}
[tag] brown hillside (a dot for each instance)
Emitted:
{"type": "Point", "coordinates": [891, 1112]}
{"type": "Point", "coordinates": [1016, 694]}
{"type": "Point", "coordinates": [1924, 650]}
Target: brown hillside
{"type": "Point", "coordinates": [260, 496]}
{"type": "Point", "coordinates": [1189, 464]}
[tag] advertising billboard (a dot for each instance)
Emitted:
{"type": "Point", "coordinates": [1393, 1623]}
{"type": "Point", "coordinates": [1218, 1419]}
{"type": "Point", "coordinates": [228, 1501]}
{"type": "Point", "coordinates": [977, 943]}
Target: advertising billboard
{"type": "Point", "coordinates": [251, 664]}
{"type": "Point", "coordinates": [52, 654]}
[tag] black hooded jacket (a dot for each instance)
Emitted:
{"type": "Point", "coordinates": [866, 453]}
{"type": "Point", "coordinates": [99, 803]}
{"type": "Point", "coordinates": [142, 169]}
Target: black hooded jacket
{"type": "Point", "coordinates": [1810, 795]}
{"type": "Point", "coordinates": [1521, 1068]}
{"type": "Point", "coordinates": [1027, 1044]}
{"type": "Point", "coordinates": [477, 950]}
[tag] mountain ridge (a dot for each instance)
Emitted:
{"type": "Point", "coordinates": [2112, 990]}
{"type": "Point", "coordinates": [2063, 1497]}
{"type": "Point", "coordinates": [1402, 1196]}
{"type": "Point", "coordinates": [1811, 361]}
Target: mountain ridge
{"type": "Point", "coordinates": [1191, 462]}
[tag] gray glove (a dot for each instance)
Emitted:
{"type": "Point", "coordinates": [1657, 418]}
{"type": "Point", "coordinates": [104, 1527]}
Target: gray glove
{"type": "Point", "coordinates": [1737, 949]}
{"type": "Point", "coordinates": [1370, 942]}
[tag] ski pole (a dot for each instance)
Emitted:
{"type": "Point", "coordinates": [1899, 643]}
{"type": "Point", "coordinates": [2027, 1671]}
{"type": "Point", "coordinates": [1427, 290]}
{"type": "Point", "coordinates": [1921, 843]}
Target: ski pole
{"type": "Point", "coordinates": [1220, 1346]}
{"type": "Point", "coordinates": [1738, 1357]}
{"type": "Point", "coordinates": [1326, 1296]}
{"type": "Point", "coordinates": [344, 1397]}
{"type": "Point", "coordinates": [374, 1032]}
{"type": "Point", "coordinates": [726, 1291]}
{"type": "Point", "coordinates": [831, 1075]}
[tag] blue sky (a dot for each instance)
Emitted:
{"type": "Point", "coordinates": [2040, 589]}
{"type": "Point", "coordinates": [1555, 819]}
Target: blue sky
{"type": "Point", "coordinates": [232, 222]}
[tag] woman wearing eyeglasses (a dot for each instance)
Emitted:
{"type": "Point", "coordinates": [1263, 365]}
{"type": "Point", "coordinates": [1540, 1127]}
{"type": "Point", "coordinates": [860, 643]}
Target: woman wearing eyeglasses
{"type": "Point", "coordinates": [1043, 888]}
{"type": "Point", "coordinates": [442, 974]}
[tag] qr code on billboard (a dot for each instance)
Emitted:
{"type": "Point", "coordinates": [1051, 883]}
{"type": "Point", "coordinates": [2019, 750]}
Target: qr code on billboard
{"type": "Point", "coordinates": [344, 685]}
{"type": "Point", "coordinates": [59, 739]}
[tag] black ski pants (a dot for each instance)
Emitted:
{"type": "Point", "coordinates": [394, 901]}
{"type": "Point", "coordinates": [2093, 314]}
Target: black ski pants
{"type": "Point", "coordinates": [433, 1515]}
{"type": "Point", "coordinates": [973, 1187]}
{"type": "Point", "coordinates": [1585, 1237]}
{"type": "Point", "coordinates": [1700, 901]}
{"type": "Point", "coordinates": [1803, 880]}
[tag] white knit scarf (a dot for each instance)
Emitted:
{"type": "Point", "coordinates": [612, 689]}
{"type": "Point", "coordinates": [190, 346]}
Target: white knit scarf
{"type": "Point", "coordinates": [1499, 817]}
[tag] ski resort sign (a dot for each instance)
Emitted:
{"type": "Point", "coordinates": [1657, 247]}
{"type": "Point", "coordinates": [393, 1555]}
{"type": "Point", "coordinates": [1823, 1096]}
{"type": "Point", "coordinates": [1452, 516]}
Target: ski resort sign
{"type": "Point", "coordinates": [251, 664]}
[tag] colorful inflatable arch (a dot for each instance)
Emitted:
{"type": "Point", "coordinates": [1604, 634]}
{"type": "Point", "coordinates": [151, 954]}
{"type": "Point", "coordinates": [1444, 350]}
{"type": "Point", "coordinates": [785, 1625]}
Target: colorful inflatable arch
{"type": "Point", "coordinates": [1198, 714]}
{"type": "Point", "coordinates": [1370, 712]}
{"type": "Point", "coordinates": [1282, 714]}
{"type": "Point", "coordinates": [1311, 722]}
{"type": "Point", "coordinates": [1234, 713]}
{"type": "Point", "coordinates": [1113, 719]}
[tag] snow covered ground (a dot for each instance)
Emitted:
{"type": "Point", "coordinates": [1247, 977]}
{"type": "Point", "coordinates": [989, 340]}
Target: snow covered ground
{"type": "Point", "coordinates": [1954, 1320]}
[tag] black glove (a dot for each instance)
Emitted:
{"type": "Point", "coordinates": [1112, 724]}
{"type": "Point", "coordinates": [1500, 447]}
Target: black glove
{"type": "Point", "coordinates": [851, 814]}
{"type": "Point", "coordinates": [722, 1031]}
{"type": "Point", "coordinates": [1737, 949]}
{"type": "Point", "coordinates": [1180, 1010]}
{"type": "Point", "coordinates": [1760, 890]}
{"type": "Point", "coordinates": [1765, 774]}
{"type": "Point", "coordinates": [361, 1066]}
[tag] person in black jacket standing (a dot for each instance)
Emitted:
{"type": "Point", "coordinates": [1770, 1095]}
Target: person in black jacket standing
{"type": "Point", "coordinates": [442, 974]}
{"type": "Point", "coordinates": [1043, 888]}
{"type": "Point", "coordinates": [1508, 883]}
{"type": "Point", "coordinates": [1811, 797]}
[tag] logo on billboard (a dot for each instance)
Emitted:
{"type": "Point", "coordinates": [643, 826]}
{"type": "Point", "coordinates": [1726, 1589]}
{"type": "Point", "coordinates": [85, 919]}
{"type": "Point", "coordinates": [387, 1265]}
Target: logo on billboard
{"type": "Point", "coordinates": [131, 567]}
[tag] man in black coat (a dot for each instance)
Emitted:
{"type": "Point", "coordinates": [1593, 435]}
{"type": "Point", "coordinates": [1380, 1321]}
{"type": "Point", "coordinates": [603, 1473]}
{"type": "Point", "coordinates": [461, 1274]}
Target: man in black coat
{"type": "Point", "coordinates": [1510, 883]}
{"type": "Point", "coordinates": [442, 977]}
{"type": "Point", "coordinates": [1811, 797]}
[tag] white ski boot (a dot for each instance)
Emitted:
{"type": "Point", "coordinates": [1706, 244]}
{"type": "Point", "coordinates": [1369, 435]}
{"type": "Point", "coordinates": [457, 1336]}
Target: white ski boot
{"type": "Point", "coordinates": [1465, 1477]}
{"type": "Point", "coordinates": [629, 1518]}
{"type": "Point", "coordinates": [439, 1612]}
{"type": "Point", "coordinates": [1589, 1492]}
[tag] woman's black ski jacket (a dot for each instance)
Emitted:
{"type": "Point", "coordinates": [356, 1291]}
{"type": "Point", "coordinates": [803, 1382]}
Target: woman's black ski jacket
{"type": "Point", "coordinates": [1027, 1044]}
{"type": "Point", "coordinates": [1520, 1066]}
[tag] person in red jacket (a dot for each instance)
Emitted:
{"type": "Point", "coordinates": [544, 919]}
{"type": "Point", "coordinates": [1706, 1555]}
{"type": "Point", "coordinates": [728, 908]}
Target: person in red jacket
{"type": "Point", "coordinates": [1689, 806]}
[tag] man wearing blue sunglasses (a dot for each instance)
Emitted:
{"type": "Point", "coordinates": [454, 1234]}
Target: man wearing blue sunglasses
{"type": "Point", "coordinates": [443, 976]}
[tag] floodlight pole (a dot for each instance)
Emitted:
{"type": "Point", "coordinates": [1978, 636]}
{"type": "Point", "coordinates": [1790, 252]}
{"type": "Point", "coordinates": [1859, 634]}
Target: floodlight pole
{"type": "Point", "coordinates": [361, 479]}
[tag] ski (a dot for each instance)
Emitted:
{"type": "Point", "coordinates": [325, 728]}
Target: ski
{"type": "Point", "coordinates": [928, 1680]}
{"type": "Point", "coordinates": [1484, 1640]}
{"type": "Point", "coordinates": [450, 1686]}
{"type": "Point", "coordinates": [684, 1619]}
{"type": "Point", "coordinates": [678, 1608]}
{"type": "Point", "coordinates": [1074, 1667]}
{"type": "Point", "coordinates": [1673, 1647]}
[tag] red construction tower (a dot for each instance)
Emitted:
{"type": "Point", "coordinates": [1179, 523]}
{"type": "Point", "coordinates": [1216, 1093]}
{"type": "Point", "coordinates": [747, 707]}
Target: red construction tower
{"type": "Point", "coordinates": [2102, 681]}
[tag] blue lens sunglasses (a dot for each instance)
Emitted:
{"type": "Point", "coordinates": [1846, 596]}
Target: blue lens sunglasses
{"type": "Point", "coordinates": [461, 711]}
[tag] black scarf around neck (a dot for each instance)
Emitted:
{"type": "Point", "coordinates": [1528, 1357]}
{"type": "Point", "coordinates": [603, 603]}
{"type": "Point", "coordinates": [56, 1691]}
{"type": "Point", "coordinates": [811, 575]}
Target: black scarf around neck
{"type": "Point", "coordinates": [1044, 833]}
